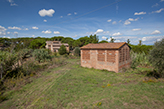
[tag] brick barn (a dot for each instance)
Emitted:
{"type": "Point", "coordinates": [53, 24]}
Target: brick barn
{"type": "Point", "coordinates": [109, 56]}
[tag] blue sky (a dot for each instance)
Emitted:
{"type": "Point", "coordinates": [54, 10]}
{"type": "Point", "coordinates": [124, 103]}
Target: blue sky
{"type": "Point", "coordinates": [121, 19]}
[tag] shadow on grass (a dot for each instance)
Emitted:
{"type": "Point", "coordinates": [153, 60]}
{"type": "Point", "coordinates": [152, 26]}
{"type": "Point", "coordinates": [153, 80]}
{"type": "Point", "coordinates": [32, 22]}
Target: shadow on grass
{"type": "Point", "coordinates": [153, 73]}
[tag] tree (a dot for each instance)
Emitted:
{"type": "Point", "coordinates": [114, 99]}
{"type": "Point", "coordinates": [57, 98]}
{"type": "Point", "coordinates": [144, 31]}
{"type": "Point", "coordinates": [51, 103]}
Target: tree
{"type": "Point", "coordinates": [41, 55]}
{"type": "Point", "coordinates": [112, 40]}
{"type": "Point", "coordinates": [68, 40]}
{"type": "Point", "coordinates": [103, 41]}
{"type": "Point", "coordinates": [140, 42]}
{"type": "Point", "coordinates": [37, 43]}
{"type": "Point", "coordinates": [62, 50]}
{"type": "Point", "coordinates": [77, 51]}
{"type": "Point", "coordinates": [128, 41]}
{"type": "Point", "coordinates": [94, 38]}
{"type": "Point", "coordinates": [157, 57]}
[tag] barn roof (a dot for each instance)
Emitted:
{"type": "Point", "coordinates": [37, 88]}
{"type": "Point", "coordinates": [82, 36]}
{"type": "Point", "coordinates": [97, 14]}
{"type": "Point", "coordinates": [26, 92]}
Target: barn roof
{"type": "Point", "coordinates": [116, 45]}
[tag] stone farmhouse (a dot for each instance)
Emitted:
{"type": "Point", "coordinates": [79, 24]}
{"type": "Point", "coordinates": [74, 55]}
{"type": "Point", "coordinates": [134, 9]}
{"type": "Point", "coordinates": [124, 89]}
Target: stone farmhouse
{"type": "Point", "coordinates": [109, 56]}
{"type": "Point", "coordinates": [55, 45]}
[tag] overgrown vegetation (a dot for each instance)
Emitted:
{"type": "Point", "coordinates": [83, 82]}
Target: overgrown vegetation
{"type": "Point", "coordinates": [25, 58]}
{"type": "Point", "coordinates": [77, 51]}
{"type": "Point", "coordinates": [72, 86]}
{"type": "Point", "coordinates": [62, 50]}
{"type": "Point", "coordinates": [41, 55]}
{"type": "Point", "coordinates": [157, 57]}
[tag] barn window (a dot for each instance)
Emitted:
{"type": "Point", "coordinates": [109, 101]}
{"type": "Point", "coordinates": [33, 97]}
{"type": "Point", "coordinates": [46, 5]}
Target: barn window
{"type": "Point", "coordinates": [49, 45]}
{"type": "Point", "coordinates": [110, 55]}
{"type": "Point", "coordinates": [86, 54]}
{"type": "Point", "coordinates": [101, 55]}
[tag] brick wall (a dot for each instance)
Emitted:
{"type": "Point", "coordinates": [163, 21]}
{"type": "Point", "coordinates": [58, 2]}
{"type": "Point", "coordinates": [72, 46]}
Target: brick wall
{"type": "Point", "coordinates": [112, 60]}
{"type": "Point", "coordinates": [100, 59]}
{"type": "Point", "coordinates": [124, 57]}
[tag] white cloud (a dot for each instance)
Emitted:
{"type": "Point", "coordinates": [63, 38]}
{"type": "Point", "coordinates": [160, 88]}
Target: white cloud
{"type": "Point", "coordinates": [131, 19]}
{"type": "Point", "coordinates": [74, 36]}
{"type": "Point", "coordinates": [56, 32]}
{"type": "Point", "coordinates": [45, 20]}
{"type": "Point", "coordinates": [106, 32]}
{"type": "Point", "coordinates": [12, 3]}
{"type": "Point", "coordinates": [120, 21]}
{"type": "Point", "coordinates": [156, 32]}
{"type": "Point", "coordinates": [137, 29]}
{"type": "Point", "coordinates": [6, 37]}
{"type": "Point", "coordinates": [152, 38]}
{"type": "Point", "coordinates": [33, 35]}
{"type": "Point", "coordinates": [47, 32]}
{"type": "Point", "coordinates": [161, 0]}
{"type": "Point", "coordinates": [2, 33]}
{"type": "Point", "coordinates": [89, 33]}
{"type": "Point", "coordinates": [61, 16]}
{"type": "Point", "coordinates": [140, 13]}
{"type": "Point", "coordinates": [15, 28]}
{"type": "Point", "coordinates": [8, 32]}
{"type": "Point", "coordinates": [15, 32]}
{"type": "Point", "coordinates": [2, 28]}
{"type": "Point", "coordinates": [114, 22]}
{"type": "Point", "coordinates": [103, 37]}
{"type": "Point", "coordinates": [35, 28]}
{"type": "Point", "coordinates": [69, 14]}
{"type": "Point", "coordinates": [127, 22]}
{"type": "Point", "coordinates": [26, 29]}
{"type": "Point", "coordinates": [144, 39]}
{"type": "Point", "coordinates": [75, 13]}
{"type": "Point", "coordinates": [44, 12]}
{"type": "Point", "coordinates": [117, 34]}
{"type": "Point", "coordinates": [109, 20]}
{"type": "Point", "coordinates": [155, 5]}
{"type": "Point", "coordinates": [99, 31]}
{"type": "Point", "coordinates": [158, 11]}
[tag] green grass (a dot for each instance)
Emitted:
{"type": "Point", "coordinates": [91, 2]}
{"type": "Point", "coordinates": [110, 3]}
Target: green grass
{"type": "Point", "coordinates": [72, 86]}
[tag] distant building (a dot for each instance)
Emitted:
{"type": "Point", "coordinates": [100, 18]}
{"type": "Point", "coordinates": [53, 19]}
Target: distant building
{"type": "Point", "coordinates": [55, 45]}
{"type": "Point", "coordinates": [109, 56]}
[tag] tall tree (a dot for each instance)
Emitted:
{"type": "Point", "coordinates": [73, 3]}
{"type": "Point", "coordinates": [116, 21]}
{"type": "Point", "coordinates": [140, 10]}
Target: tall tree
{"type": "Point", "coordinates": [37, 43]}
{"type": "Point", "coordinates": [112, 40]}
{"type": "Point", "coordinates": [140, 42]}
{"type": "Point", "coordinates": [94, 38]}
{"type": "Point", "coordinates": [128, 41]}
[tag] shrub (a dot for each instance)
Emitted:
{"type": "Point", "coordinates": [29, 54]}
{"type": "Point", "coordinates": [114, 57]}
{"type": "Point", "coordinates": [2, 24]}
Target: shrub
{"type": "Point", "coordinates": [157, 56]}
{"type": "Point", "coordinates": [7, 62]}
{"type": "Point", "coordinates": [139, 59]}
{"type": "Point", "coordinates": [77, 51]}
{"type": "Point", "coordinates": [41, 55]}
{"type": "Point", "coordinates": [62, 50]}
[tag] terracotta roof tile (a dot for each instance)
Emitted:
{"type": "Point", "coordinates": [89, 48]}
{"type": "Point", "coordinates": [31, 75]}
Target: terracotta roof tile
{"type": "Point", "coordinates": [116, 45]}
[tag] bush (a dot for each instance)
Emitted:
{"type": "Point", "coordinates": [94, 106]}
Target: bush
{"type": "Point", "coordinates": [139, 59]}
{"type": "Point", "coordinates": [141, 48]}
{"type": "Point", "coordinates": [62, 50]}
{"type": "Point", "coordinates": [77, 51]}
{"type": "Point", "coordinates": [157, 57]}
{"type": "Point", "coordinates": [7, 62]}
{"type": "Point", "coordinates": [41, 55]}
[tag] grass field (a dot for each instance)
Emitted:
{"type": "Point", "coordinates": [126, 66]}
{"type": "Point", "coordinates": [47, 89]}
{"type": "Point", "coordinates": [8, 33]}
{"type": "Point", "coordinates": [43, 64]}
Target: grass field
{"type": "Point", "coordinates": [71, 86]}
